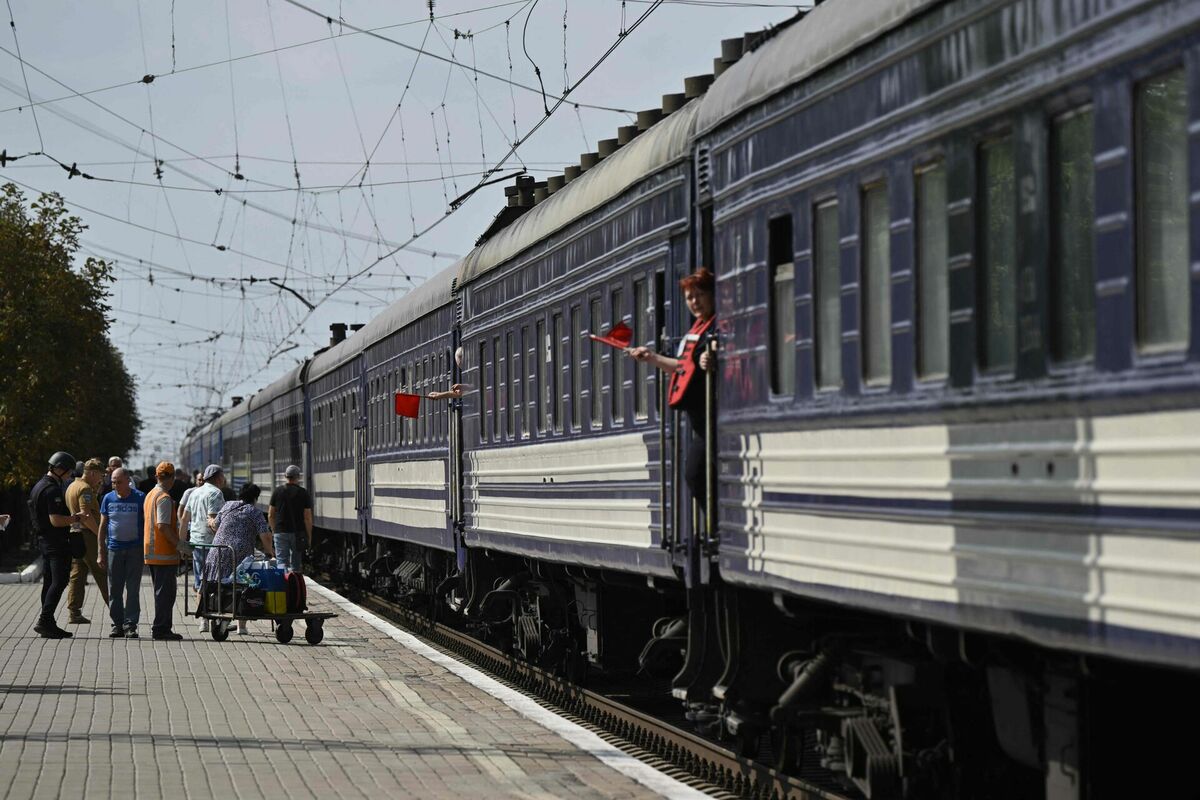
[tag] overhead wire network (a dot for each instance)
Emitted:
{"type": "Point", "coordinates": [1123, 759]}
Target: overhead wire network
{"type": "Point", "coordinates": [238, 254]}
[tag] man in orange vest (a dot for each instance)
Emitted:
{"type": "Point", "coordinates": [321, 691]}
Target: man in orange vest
{"type": "Point", "coordinates": [162, 549]}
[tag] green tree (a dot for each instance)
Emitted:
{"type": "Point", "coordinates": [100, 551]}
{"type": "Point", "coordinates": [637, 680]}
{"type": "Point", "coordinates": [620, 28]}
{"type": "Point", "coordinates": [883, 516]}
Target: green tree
{"type": "Point", "coordinates": [63, 385]}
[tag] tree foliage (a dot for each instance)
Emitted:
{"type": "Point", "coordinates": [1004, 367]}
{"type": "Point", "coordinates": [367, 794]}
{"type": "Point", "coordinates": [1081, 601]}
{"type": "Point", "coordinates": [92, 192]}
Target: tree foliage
{"type": "Point", "coordinates": [63, 385]}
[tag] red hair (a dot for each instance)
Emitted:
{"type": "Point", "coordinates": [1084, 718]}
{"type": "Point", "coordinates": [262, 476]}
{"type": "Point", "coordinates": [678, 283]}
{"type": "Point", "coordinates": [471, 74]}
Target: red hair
{"type": "Point", "coordinates": [701, 280]}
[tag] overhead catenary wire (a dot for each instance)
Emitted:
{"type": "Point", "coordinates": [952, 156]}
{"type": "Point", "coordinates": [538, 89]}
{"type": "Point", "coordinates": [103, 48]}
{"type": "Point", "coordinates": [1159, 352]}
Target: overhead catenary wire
{"type": "Point", "coordinates": [263, 209]}
{"type": "Point", "coordinates": [12, 24]}
{"type": "Point", "coordinates": [459, 201]}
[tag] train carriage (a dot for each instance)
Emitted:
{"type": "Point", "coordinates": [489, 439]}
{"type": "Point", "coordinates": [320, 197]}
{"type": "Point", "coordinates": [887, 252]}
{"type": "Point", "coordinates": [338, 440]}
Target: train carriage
{"type": "Point", "coordinates": [410, 349]}
{"type": "Point", "coordinates": [335, 392]}
{"type": "Point", "coordinates": [561, 424]}
{"type": "Point", "coordinates": [277, 432]}
{"type": "Point", "coordinates": [961, 374]}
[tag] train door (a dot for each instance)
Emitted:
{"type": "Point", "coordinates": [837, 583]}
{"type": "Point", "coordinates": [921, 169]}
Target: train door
{"type": "Point", "coordinates": [362, 478]}
{"type": "Point", "coordinates": [362, 486]}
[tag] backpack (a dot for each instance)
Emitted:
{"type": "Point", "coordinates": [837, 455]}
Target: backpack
{"type": "Point", "coordinates": [296, 595]}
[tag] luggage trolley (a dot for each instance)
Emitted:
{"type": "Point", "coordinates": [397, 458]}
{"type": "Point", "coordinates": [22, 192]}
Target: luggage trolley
{"type": "Point", "coordinates": [219, 605]}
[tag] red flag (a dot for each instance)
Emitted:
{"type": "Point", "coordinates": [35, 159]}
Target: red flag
{"type": "Point", "coordinates": [407, 404]}
{"type": "Point", "coordinates": [619, 336]}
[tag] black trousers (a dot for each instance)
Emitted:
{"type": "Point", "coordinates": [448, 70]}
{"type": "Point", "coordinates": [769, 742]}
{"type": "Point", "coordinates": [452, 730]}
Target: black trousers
{"type": "Point", "coordinates": [694, 470]}
{"type": "Point", "coordinates": [56, 572]}
{"type": "Point", "coordinates": [165, 580]}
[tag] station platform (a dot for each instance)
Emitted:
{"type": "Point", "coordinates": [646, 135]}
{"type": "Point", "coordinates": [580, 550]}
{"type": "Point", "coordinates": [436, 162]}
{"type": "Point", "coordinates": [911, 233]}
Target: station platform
{"type": "Point", "coordinates": [371, 712]}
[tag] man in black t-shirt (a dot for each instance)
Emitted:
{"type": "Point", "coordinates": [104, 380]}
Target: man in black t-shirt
{"type": "Point", "coordinates": [291, 513]}
{"type": "Point", "coordinates": [51, 521]}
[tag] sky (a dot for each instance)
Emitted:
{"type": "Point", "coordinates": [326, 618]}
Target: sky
{"type": "Point", "coordinates": [261, 169]}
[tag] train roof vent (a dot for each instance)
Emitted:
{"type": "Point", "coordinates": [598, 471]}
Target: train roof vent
{"type": "Point", "coordinates": [703, 172]}
{"type": "Point", "coordinates": [696, 85]}
{"type": "Point", "coordinates": [626, 134]}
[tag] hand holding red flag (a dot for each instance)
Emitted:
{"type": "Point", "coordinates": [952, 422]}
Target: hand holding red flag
{"type": "Point", "coordinates": [407, 404]}
{"type": "Point", "coordinates": [618, 336]}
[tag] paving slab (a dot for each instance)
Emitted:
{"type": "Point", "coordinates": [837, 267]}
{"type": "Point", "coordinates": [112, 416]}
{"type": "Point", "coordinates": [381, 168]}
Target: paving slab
{"type": "Point", "coordinates": [371, 712]}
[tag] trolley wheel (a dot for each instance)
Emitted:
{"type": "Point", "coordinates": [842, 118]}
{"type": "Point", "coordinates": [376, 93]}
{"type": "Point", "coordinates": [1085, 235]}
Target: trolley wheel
{"type": "Point", "coordinates": [314, 632]}
{"type": "Point", "coordinates": [219, 630]}
{"type": "Point", "coordinates": [283, 632]}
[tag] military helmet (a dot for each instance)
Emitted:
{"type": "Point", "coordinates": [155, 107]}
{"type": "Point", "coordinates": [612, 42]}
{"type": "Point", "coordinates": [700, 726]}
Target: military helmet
{"type": "Point", "coordinates": [61, 460]}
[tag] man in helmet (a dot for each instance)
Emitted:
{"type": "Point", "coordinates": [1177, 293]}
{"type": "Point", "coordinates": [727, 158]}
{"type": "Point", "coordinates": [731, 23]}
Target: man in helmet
{"type": "Point", "coordinates": [51, 521]}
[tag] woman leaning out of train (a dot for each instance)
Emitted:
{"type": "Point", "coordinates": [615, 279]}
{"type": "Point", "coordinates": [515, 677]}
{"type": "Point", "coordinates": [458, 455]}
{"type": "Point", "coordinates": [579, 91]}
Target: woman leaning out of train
{"type": "Point", "coordinates": [686, 392]}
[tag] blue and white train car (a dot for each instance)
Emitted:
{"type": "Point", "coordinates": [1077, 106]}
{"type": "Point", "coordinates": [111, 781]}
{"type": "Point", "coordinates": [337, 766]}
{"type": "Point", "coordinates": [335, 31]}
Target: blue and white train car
{"type": "Point", "coordinates": [277, 432]}
{"type": "Point", "coordinates": [562, 442]}
{"type": "Point", "coordinates": [335, 394]}
{"type": "Point", "coordinates": [409, 348]}
{"type": "Point", "coordinates": [956, 247]}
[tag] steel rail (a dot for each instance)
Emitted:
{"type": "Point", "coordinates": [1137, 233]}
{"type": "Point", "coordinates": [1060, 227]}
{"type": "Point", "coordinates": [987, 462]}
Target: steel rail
{"type": "Point", "coordinates": [702, 760]}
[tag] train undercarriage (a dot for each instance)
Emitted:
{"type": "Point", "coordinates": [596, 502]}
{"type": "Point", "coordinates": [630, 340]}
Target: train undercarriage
{"type": "Point", "coordinates": [865, 705]}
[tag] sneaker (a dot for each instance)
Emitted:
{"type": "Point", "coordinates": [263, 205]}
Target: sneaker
{"type": "Point", "coordinates": [243, 628]}
{"type": "Point", "coordinates": [117, 633]}
{"type": "Point", "coordinates": [131, 632]}
{"type": "Point", "coordinates": [167, 636]}
{"type": "Point", "coordinates": [50, 631]}
{"type": "Point", "coordinates": [204, 626]}
{"type": "Point", "coordinates": [79, 619]}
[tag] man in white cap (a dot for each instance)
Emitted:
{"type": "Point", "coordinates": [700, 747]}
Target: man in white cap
{"type": "Point", "coordinates": [291, 513]}
{"type": "Point", "coordinates": [199, 518]}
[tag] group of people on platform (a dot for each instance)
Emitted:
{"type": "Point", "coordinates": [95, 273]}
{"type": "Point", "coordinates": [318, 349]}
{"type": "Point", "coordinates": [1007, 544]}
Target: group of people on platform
{"type": "Point", "coordinates": [101, 524]}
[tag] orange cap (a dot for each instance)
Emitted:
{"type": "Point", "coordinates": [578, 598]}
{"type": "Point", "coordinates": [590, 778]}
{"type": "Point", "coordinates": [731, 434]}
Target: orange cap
{"type": "Point", "coordinates": [164, 468]}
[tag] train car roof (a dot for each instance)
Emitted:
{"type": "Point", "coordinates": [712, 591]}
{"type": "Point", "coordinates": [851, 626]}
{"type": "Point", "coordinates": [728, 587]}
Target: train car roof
{"type": "Point", "coordinates": [661, 145]}
{"type": "Point", "coordinates": [827, 33]}
{"type": "Point", "coordinates": [280, 386]}
{"type": "Point", "coordinates": [230, 414]}
{"type": "Point", "coordinates": [429, 296]}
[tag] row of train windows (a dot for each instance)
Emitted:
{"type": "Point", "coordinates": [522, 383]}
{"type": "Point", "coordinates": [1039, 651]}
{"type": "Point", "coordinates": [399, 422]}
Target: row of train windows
{"type": "Point", "coordinates": [563, 374]}
{"type": "Point", "coordinates": [333, 427]}
{"type": "Point", "coordinates": [419, 376]}
{"type": "Point", "coordinates": [1162, 262]}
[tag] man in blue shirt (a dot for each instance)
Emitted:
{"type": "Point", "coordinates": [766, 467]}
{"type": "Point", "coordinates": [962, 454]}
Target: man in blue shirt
{"type": "Point", "coordinates": [122, 522]}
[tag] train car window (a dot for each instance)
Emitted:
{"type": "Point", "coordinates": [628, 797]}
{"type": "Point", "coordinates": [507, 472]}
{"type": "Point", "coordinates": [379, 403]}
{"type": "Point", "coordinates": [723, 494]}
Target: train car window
{"type": "Point", "coordinates": [781, 306]}
{"type": "Point", "coordinates": [828, 294]}
{"type": "Point", "coordinates": [576, 368]}
{"type": "Point", "coordinates": [514, 385]}
{"type": "Point", "coordinates": [483, 392]}
{"type": "Point", "coordinates": [499, 431]}
{"type": "Point", "coordinates": [877, 286]}
{"type": "Point", "coordinates": [541, 368]}
{"type": "Point", "coordinates": [933, 280]}
{"type": "Point", "coordinates": [1073, 189]}
{"type": "Point", "coordinates": [529, 360]}
{"type": "Point", "coordinates": [641, 314]}
{"type": "Point", "coordinates": [560, 361]}
{"type": "Point", "coordinates": [597, 398]}
{"type": "Point", "coordinates": [400, 420]}
{"type": "Point", "coordinates": [1163, 282]}
{"type": "Point", "coordinates": [422, 420]}
{"type": "Point", "coordinates": [998, 249]}
{"type": "Point", "coordinates": [618, 364]}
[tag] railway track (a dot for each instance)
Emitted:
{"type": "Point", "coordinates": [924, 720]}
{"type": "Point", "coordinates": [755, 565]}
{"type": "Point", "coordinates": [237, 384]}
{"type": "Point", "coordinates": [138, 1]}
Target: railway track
{"type": "Point", "coordinates": [699, 762]}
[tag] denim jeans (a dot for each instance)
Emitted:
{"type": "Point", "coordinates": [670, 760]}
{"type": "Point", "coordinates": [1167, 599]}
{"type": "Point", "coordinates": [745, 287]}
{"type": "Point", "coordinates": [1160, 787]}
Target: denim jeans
{"type": "Point", "coordinates": [198, 565]}
{"type": "Point", "coordinates": [124, 582]}
{"type": "Point", "coordinates": [287, 554]}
